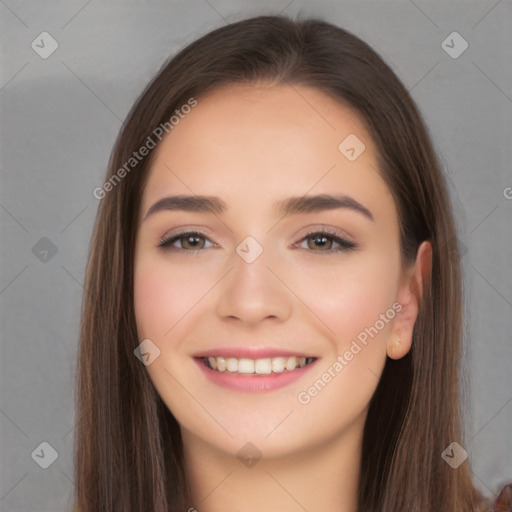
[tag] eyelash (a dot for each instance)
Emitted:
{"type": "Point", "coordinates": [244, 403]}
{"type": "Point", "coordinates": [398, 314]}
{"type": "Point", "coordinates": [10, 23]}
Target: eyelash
{"type": "Point", "coordinates": [344, 245]}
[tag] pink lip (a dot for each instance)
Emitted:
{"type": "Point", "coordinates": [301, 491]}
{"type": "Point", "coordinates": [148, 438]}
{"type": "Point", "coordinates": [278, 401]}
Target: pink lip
{"type": "Point", "coordinates": [252, 383]}
{"type": "Point", "coordinates": [249, 352]}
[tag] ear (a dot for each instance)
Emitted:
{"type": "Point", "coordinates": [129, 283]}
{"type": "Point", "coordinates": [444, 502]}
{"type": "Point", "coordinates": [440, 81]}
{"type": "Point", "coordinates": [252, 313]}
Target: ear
{"type": "Point", "coordinates": [409, 296]}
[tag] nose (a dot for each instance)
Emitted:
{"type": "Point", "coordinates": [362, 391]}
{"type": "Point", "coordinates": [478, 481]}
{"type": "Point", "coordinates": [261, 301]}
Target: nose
{"type": "Point", "coordinates": [254, 291]}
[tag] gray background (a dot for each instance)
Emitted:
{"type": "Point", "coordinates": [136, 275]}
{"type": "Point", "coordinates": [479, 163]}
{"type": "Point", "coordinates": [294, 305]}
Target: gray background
{"type": "Point", "coordinates": [60, 117]}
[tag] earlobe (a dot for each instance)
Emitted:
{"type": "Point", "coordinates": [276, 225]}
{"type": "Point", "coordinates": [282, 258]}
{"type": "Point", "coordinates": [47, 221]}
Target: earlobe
{"type": "Point", "coordinates": [410, 294]}
{"type": "Point", "coordinates": [395, 349]}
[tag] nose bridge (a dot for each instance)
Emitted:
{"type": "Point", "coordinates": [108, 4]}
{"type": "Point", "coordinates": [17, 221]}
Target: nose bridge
{"type": "Point", "coordinates": [251, 291]}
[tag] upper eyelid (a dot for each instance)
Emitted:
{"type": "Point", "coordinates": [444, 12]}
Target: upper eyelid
{"type": "Point", "coordinates": [332, 232]}
{"type": "Point", "coordinates": [329, 231]}
{"type": "Point", "coordinates": [175, 236]}
{"type": "Point", "coordinates": [206, 232]}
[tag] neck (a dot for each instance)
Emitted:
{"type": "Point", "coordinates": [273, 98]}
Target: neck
{"type": "Point", "coordinates": [320, 477]}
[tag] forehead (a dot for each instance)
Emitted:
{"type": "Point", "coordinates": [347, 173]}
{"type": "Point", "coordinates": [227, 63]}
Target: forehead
{"type": "Point", "coordinates": [246, 142]}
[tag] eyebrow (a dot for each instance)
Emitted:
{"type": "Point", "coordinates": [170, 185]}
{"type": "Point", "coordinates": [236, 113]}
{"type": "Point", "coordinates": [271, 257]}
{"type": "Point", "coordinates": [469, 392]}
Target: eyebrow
{"type": "Point", "coordinates": [284, 208]}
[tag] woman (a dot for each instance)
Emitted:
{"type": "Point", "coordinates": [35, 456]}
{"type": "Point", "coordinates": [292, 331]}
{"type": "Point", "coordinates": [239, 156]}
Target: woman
{"type": "Point", "coordinates": [225, 364]}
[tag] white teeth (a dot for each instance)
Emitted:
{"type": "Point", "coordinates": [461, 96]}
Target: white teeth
{"type": "Point", "coordinates": [257, 366]}
{"type": "Point", "coordinates": [278, 364]}
{"type": "Point", "coordinates": [232, 364]}
{"type": "Point", "coordinates": [291, 364]}
{"type": "Point", "coordinates": [245, 366]}
{"type": "Point", "coordinates": [263, 366]}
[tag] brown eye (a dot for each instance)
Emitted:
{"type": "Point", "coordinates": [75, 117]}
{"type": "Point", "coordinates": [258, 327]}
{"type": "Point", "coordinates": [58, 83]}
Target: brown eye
{"type": "Point", "coordinates": [189, 241]}
{"type": "Point", "coordinates": [192, 241]}
{"type": "Point", "coordinates": [323, 242]}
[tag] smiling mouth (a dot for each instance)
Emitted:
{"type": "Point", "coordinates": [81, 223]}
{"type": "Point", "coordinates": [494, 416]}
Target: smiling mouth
{"type": "Point", "coordinates": [265, 366]}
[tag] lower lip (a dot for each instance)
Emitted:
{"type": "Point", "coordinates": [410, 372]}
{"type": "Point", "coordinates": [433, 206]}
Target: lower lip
{"type": "Point", "coordinates": [253, 382]}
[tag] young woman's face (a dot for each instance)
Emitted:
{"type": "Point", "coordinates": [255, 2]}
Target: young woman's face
{"type": "Point", "coordinates": [271, 275]}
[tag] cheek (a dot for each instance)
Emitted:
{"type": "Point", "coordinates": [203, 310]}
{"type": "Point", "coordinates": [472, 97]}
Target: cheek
{"type": "Point", "coordinates": [356, 305]}
{"type": "Point", "coordinates": [353, 298]}
{"type": "Point", "coordinates": [162, 296]}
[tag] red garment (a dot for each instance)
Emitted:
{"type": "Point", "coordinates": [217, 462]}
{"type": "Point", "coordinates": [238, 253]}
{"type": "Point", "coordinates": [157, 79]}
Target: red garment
{"type": "Point", "coordinates": [503, 502]}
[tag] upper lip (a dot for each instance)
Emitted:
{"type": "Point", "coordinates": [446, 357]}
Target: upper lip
{"type": "Point", "coordinates": [250, 352]}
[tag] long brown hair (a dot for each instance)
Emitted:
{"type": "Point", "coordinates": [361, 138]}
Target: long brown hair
{"type": "Point", "coordinates": [128, 450]}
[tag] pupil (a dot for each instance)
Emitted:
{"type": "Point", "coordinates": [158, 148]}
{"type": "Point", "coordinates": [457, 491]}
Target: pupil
{"type": "Point", "coordinates": [320, 240]}
{"type": "Point", "coordinates": [192, 240]}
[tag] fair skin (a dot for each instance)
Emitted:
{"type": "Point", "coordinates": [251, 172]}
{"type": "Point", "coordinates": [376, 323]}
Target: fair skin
{"type": "Point", "coordinates": [250, 146]}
